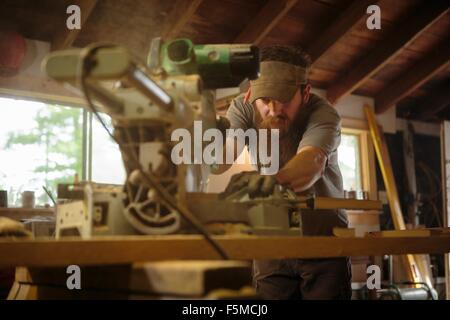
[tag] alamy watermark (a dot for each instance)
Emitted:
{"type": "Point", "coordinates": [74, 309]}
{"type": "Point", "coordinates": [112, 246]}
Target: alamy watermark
{"type": "Point", "coordinates": [374, 20]}
{"type": "Point", "coordinates": [263, 145]}
{"type": "Point", "coordinates": [74, 279]}
{"type": "Point", "coordinates": [374, 277]}
{"type": "Point", "coordinates": [73, 21]}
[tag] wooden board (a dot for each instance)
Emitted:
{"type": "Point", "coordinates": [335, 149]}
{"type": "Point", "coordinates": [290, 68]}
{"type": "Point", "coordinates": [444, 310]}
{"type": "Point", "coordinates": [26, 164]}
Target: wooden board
{"type": "Point", "coordinates": [26, 213]}
{"type": "Point", "coordinates": [181, 278]}
{"type": "Point", "coordinates": [132, 249]}
{"type": "Point", "coordinates": [19, 214]}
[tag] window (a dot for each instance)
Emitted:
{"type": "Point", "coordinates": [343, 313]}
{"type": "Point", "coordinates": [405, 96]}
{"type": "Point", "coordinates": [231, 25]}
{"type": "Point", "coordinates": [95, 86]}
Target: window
{"type": "Point", "coordinates": [357, 158]}
{"type": "Point", "coordinates": [350, 161]}
{"type": "Point", "coordinates": [40, 145]}
{"type": "Point", "coordinates": [43, 145]}
{"type": "Point", "coordinates": [107, 165]}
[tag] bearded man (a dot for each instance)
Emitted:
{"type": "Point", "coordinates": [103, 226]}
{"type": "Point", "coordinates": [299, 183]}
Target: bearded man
{"type": "Point", "coordinates": [310, 131]}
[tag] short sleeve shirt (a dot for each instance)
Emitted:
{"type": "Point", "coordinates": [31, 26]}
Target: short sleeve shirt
{"type": "Point", "coordinates": [322, 130]}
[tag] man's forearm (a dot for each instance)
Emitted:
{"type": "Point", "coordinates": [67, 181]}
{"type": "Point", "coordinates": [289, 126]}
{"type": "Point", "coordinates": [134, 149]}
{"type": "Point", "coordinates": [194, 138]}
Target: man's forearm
{"type": "Point", "coordinates": [220, 168]}
{"type": "Point", "coordinates": [303, 170]}
{"type": "Point", "coordinates": [233, 147]}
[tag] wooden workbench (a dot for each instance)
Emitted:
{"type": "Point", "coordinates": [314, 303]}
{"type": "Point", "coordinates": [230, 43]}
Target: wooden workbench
{"type": "Point", "coordinates": [107, 259]}
{"type": "Point", "coordinates": [131, 249]}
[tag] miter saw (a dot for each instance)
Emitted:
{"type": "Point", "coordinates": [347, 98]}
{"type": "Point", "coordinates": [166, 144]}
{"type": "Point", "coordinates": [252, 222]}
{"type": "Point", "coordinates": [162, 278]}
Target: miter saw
{"type": "Point", "coordinates": [147, 102]}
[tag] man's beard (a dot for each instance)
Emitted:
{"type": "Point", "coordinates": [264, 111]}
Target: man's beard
{"type": "Point", "coordinates": [281, 123]}
{"type": "Point", "coordinates": [288, 133]}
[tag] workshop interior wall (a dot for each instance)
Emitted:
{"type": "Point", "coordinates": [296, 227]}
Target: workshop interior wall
{"type": "Point", "coordinates": [428, 177]}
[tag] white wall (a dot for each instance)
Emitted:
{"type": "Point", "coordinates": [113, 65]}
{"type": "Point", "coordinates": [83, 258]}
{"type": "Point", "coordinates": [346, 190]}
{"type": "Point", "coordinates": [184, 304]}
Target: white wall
{"type": "Point", "coordinates": [352, 106]}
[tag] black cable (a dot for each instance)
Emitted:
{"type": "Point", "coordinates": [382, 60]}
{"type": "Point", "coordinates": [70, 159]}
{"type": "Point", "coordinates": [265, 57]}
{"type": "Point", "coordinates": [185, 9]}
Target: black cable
{"type": "Point", "coordinates": [85, 66]}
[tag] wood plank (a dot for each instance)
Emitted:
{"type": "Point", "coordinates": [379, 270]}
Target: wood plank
{"type": "Point", "coordinates": [433, 63]}
{"type": "Point", "coordinates": [19, 214]}
{"type": "Point", "coordinates": [181, 13]}
{"type": "Point", "coordinates": [369, 218]}
{"type": "Point", "coordinates": [265, 21]}
{"type": "Point", "coordinates": [14, 291]}
{"type": "Point", "coordinates": [350, 204]}
{"type": "Point", "coordinates": [132, 249]}
{"type": "Point", "coordinates": [409, 261]}
{"type": "Point", "coordinates": [182, 278]}
{"type": "Point", "coordinates": [64, 37]}
{"type": "Point", "coordinates": [344, 232]}
{"type": "Point", "coordinates": [401, 233]}
{"type": "Point", "coordinates": [415, 25]}
{"type": "Point", "coordinates": [338, 28]}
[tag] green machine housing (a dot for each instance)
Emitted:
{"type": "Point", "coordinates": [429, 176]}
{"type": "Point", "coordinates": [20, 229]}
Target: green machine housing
{"type": "Point", "coordinates": [219, 65]}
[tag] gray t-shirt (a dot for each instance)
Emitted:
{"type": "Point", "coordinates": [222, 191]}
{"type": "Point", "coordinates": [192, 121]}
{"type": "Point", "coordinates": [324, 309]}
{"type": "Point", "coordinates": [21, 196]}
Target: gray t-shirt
{"type": "Point", "coordinates": [322, 130]}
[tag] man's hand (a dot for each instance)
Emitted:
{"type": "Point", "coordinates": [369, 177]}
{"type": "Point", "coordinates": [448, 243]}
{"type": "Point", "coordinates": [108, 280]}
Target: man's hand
{"type": "Point", "coordinates": [252, 182]}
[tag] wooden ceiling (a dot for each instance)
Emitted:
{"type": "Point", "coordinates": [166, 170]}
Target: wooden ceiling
{"type": "Point", "coordinates": [405, 63]}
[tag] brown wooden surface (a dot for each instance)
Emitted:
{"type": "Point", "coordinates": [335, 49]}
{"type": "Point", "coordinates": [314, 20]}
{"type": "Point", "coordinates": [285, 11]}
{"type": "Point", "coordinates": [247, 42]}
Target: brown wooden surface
{"type": "Point", "coordinates": [24, 213]}
{"type": "Point", "coordinates": [401, 233]}
{"type": "Point", "coordinates": [181, 278]}
{"type": "Point", "coordinates": [338, 28]}
{"type": "Point", "coordinates": [436, 61]}
{"type": "Point", "coordinates": [133, 23]}
{"type": "Point", "coordinates": [180, 14]}
{"type": "Point", "coordinates": [131, 249]}
{"type": "Point", "coordinates": [371, 218]}
{"type": "Point", "coordinates": [264, 21]}
{"type": "Point", "coordinates": [410, 30]}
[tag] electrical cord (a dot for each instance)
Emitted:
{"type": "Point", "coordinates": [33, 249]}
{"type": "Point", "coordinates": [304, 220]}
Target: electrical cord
{"type": "Point", "coordinates": [85, 66]}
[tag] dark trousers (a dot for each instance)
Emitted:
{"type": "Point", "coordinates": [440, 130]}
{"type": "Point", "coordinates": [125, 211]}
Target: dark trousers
{"type": "Point", "coordinates": [305, 279]}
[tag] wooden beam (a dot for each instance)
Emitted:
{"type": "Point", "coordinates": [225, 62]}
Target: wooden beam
{"type": "Point", "coordinates": [131, 249]}
{"type": "Point", "coordinates": [433, 63]}
{"type": "Point", "coordinates": [400, 37]}
{"type": "Point", "coordinates": [436, 100]}
{"type": "Point", "coordinates": [64, 38]}
{"type": "Point", "coordinates": [264, 22]}
{"type": "Point", "coordinates": [181, 13]}
{"type": "Point", "coordinates": [338, 28]}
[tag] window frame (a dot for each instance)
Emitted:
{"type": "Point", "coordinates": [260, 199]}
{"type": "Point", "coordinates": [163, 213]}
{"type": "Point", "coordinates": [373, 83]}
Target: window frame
{"type": "Point", "coordinates": [366, 153]}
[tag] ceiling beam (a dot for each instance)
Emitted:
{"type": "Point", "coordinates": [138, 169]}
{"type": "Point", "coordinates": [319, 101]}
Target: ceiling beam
{"type": "Point", "coordinates": [436, 100]}
{"type": "Point", "coordinates": [434, 62]}
{"type": "Point", "coordinates": [265, 21]}
{"type": "Point", "coordinates": [426, 106]}
{"type": "Point", "coordinates": [400, 37]}
{"type": "Point", "coordinates": [338, 28]}
{"type": "Point", "coordinates": [181, 13]}
{"type": "Point", "coordinates": [65, 37]}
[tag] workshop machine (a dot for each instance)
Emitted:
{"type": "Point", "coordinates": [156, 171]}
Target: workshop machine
{"type": "Point", "coordinates": [147, 102]}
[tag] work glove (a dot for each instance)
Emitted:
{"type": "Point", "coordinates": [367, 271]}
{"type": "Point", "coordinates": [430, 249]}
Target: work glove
{"type": "Point", "coordinates": [250, 182]}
